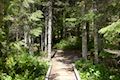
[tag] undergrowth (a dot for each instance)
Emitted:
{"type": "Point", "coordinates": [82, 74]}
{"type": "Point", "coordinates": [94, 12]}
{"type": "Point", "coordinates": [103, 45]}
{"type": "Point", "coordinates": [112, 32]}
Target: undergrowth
{"type": "Point", "coordinates": [90, 71]}
{"type": "Point", "coordinates": [18, 64]}
{"type": "Point", "coordinates": [69, 43]}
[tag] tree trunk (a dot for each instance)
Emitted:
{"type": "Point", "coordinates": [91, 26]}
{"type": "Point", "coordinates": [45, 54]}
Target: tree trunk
{"type": "Point", "coordinates": [29, 43]}
{"type": "Point", "coordinates": [84, 35]}
{"type": "Point", "coordinates": [96, 49]}
{"type": "Point", "coordinates": [49, 28]}
{"type": "Point", "coordinates": [84, 42]}
{"type": "Point", "coordinates": [25, 38]}
{"type": "Point", "coordinates": [46, 31]}
{"type": "Point", "coordinates": [42, 41]}
{"type": "Point", "coordinates": [17, 34]}
{"type": "Point", "coordinates": [26, 35]}
{"type": "Point", "coordinates": [96, 43]}
{"type": "Point", "coordinates": [119, 33]}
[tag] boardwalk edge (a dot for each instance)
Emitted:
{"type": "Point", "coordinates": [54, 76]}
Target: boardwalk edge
{"type": "Point", "coordinates": [76, 72]}
{"type": "Point", "coordinates": [48, 72]}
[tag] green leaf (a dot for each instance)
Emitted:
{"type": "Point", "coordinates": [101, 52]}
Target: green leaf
{"type": "Point", "coordinates": [2, 35]}
{"type": "Point", "coordinates": [17, 46]}
{"type": "Point", "coordinates": [30, 1]}
{"type": "Point", "coordinates": [6, 77]}
{"type": "Point", "coordinates": [71, 19]}
{"type": "Point", "coordinates": [111, 32]}
{"type": "Point", "coordinates": [8, 18]}
{"type": "Point", "coordinates": [114, 27]}
{"type": "Point", "coordinates": [26, 3]}
{"type": "Point", "coordinates": [36, 32]}
{"type": "Point", "coordinates": [36, 15]}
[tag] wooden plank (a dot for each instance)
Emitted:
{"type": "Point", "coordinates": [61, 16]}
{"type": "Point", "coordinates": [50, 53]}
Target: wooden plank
{"type": "Point", "coordinates": [48, 72]}
{"type": "Point", "coordinates": [76, 72]}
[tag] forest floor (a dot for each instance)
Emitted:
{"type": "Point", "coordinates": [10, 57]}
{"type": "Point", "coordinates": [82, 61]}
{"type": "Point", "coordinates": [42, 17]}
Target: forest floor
{"type": "Point", "coordinates": [62, 68]}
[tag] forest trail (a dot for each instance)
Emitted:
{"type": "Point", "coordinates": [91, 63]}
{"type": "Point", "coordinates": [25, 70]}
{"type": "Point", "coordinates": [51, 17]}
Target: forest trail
{"type": "Point", "coordinates": [62, 68]}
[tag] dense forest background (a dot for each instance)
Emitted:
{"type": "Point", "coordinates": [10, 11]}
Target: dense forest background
{"type": "Point", "coordinates": [31, 29]}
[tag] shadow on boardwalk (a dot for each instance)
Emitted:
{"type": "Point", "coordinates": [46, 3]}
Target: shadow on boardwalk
{"type": "Point", "coordinates": [69, 56]}
{"type": "Point", "coordinates": [62, 65]}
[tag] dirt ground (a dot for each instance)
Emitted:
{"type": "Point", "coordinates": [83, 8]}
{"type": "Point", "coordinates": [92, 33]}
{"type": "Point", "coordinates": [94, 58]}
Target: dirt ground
{"type": "Point", "coordinates": [62, 65]}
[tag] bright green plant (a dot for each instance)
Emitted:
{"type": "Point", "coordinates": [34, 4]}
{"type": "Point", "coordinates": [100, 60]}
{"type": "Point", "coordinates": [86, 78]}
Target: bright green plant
{"type": "Point", "coordinates": [111, 32]}
{"type": "Point", "coordinates": [69, 43]}
{"type": "Point", "coordinates": [19, 65]}
{"type": "Point", "coordinates": [90, 71]}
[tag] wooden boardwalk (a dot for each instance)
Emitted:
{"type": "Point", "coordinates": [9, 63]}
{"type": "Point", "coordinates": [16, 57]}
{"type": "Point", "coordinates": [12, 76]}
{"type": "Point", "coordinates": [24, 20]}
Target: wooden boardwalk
{"type": "Point", "coordinates": [62, 68]}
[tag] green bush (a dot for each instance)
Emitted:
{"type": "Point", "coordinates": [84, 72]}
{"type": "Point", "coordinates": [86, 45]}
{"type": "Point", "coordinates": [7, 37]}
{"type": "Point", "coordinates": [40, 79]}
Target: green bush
{"type": "Point", "coordinates": [105, 54]}
{"type": "Point", "coordinates": [23, 67]}
{"type": "Point", "coordinates": [90, 71]}
{"type": "Point", "coordinates": [20, 65]}
{"type": "Point", "coordinates": [69, 43]}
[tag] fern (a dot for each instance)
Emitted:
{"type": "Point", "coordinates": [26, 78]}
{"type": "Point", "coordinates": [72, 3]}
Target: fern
{"type": "Point", "coordinates": [26, 3]}
{"type": "Point", "coordinates": [112, 31]}
{"type": "Point", "coordinates": [36, 31]}
{"type": "Point", "coordinates": [35, 16]}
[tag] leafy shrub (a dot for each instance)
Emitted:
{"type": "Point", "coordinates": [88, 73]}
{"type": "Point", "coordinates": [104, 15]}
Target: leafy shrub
{"type": "Point", "coordinates": [88, 71]}
{"type": "Point", "coordinates": [69, 43]}
{"type": "Point", "coordinates": [105, 54]}
{"type": "Point", "coordinates": [23, 67]}
{"type": "Point", "coordinates": [111, 45]}
{"type": "Point", "coordinates": [20, 65]}
{"type": "Point", "coordinates": [111, 32]}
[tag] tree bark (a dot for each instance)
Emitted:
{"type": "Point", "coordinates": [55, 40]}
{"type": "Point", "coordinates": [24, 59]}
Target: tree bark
{"type": "Point", "coordinates": [17, 34]}
{"type": "Point", "coordinates": [42, 41]}
{"type": "Point", "coordinates": [84, 35]}
{"type": "Point", "coordinates": [84, 42]}
{"type": "Point", "coordinates": [119, 33]}
{"type": "Point", "coordinates": [46, 31]}
{"type": "Point", "coordinates": [96, 48]}
{"type": "Point", "coordinates": [29, 43]}
{"type": "Point", "coordinates": [49, 28]}
{"type": "Point", "coordinates": [26, 35]}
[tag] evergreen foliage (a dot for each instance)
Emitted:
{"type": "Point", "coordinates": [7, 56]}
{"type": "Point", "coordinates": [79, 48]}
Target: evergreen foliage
{"type": "Point", "coordinates": [112, 32]}
{"type": "Point", "coordinates": [28, 28]}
